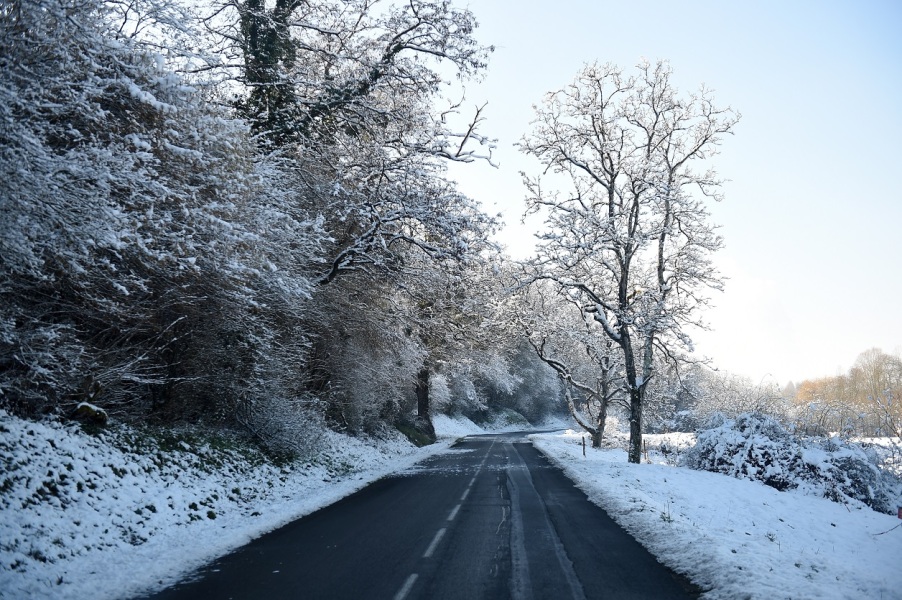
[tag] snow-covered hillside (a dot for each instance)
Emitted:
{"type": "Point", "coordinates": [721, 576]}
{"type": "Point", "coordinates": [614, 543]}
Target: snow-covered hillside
{"type": "Point", "coordinates": [738, 539]}
{"type": "Point", "coordinates": [112, 515]}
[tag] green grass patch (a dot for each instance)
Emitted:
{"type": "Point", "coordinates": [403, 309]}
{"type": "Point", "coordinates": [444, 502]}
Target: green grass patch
{"type": "Point", "coordinates": [416, 437]}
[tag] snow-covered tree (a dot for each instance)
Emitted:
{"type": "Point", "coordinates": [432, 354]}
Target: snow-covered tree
{"type": "Point", "coordinates": [314, 68]}
{"type": "Point", "coordinates": [454, 314]}
{"type": "Point", "coordinates": [562, 337]}
{"type": "Point", "coordinates": [135, 272]}
{"type": "Point", "coordinates": [629, 233]}
{"type": "Point", "coordinates": [352, 91]}
{"type": "Point", "coordinates": [516, 379]}
{"type": "Point", "coordinates": [731, 395]}
{"type": "Point", "coordinates": [380, 342]}
{"type": "Point", "coordinates": [363, 361]}
{"type": "Point", "coordinates": [173, 255]}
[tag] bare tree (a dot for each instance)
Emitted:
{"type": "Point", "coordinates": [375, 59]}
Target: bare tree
{"type": "Point", "coordinates": [312, 68]}
{"type": "Point", "coordinates": [585, 362]}
{"type": "Point", "coordinates": [863, 401]}
{"type": "Point", "coordinates": [630, 236]}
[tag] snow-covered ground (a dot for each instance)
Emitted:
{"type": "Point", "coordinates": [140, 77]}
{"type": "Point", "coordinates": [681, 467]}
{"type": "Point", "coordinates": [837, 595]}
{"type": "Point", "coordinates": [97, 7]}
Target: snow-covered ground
{"type": "Point", "coordinates": [459, 426]}
{"type": "Point", "coordinates": [108, 516]}
{"type": "Point", "coordinates": [738, 539]}
{"type": "Point", "coordinates": [91, 517]}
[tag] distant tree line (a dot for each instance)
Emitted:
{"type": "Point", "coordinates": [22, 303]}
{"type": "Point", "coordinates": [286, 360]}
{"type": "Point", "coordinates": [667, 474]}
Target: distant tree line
{"type": "Point", "coordinates": [863, 402]}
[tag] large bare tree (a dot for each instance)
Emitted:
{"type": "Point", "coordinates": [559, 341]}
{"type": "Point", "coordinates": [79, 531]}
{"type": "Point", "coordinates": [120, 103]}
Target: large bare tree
{"type": "Point", "coordinates": [628, 233]}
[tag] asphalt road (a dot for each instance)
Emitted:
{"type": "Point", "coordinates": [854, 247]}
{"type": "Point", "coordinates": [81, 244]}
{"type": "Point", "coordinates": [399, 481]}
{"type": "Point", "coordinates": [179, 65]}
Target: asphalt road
{"type": "Point", "coordinates": [490, 519]}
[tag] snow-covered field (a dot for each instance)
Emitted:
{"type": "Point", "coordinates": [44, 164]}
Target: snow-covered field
{"type": "Point", "coordinates": [738, 539]}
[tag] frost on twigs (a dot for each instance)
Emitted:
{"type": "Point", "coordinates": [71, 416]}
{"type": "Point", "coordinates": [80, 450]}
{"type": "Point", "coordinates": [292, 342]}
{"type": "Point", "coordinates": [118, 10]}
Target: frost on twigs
{"type": "Point", "coordinates": [756, 447]}
{"type": "Point", "coordinates": [286, 428]}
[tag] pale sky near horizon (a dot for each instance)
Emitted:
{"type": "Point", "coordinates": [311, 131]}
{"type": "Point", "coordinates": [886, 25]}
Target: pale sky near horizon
{"type": "Point", "coordinates": [812, 212]}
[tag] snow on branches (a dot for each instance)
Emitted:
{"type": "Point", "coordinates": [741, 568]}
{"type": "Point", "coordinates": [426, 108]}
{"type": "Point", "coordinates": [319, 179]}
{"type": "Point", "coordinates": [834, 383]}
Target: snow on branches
{"type": "Point", "coordinates": [628, 235]}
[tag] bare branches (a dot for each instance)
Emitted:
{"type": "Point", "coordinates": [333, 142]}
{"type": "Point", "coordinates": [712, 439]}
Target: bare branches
{"type": "Point", "coordinates": [316, 68]}
{"type": "Point", "coordinates": [630, 241]}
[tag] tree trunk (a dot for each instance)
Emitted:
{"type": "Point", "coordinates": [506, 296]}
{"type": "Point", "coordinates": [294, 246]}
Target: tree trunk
{"type": "Point", "coordinates": [269, 53]}
{"type": "Point", "coordinates": [596, 438]}
{"type": "Point", "coordinates": [636, 389]}
{"type": "Point", "coordinates": [598, 434]}
{"type": "Point", "coordinates": [580, 420]}
{"type": "Point", "coordinates": [637, 400]}
{"type": "Point", "coordinates": [424, 419]}
{"type": "Point", "coordinates": [603, 400]}
{"type": "Point", "coordinates": [422, 390]}
{"type": "Point", "coordinates": [635, 448]}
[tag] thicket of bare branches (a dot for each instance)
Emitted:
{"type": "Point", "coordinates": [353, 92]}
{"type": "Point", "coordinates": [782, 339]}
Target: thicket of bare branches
{"type": "Point", "coordinates": [230, 213]}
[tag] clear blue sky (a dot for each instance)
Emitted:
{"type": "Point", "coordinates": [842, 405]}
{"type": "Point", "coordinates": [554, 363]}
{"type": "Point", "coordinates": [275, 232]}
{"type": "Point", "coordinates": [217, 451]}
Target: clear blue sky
{"type": "Point", "coordinates": [813, 209]}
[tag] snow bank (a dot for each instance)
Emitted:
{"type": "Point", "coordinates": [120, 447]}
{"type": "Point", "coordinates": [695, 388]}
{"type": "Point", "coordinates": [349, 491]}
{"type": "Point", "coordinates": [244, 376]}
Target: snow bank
{"type": "Point", "coordinates": [127, 511]}
{"type": "Point", "coordinates": [735, 538]}
{"type": "Point", "coordinates": [459, 426]}
{"type": "Point", "coordinates": [455, 427]}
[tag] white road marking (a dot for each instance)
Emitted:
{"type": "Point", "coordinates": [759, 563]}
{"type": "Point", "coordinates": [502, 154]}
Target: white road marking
{"type": "Point", "coordinates": [438, 537]}
{"type": "Point", "coordinates": [405, 589]}
{"type": "Point", "coordinates": [521, 588]}
{"type": "Point", "coordinates": [472, 481]}
{"type": "Point", "coordinates": [454, 513]}
{"type": "Point", "coordinates": [408, 583]}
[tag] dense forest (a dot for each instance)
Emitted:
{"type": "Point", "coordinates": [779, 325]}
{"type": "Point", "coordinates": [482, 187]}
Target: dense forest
{"type": "Point", "coordinates": [238, 214]}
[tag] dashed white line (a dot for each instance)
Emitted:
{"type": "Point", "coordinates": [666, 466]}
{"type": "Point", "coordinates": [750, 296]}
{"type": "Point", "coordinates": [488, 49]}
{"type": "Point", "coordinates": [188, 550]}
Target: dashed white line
{"type": "Point", "coordinates": [434, 544]}
{"type": "Point", "coordinates": [405, 589]}
{"type": "Point", "coordinates": [454, 513]}
{"type": "Point", "coordinates": [408, 583]}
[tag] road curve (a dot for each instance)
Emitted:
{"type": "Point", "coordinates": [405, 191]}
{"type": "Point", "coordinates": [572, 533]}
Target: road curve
{"type": "Point", "coordinates": [492, 518]}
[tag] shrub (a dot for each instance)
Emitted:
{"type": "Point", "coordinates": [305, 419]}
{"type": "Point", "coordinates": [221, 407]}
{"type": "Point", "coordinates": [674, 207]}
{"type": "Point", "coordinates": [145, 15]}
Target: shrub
{"type": "Point", "coordinates": [756, 447]}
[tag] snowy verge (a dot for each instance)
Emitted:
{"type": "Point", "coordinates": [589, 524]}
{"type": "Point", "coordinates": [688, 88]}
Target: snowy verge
{"type": "Point", "coordinates": [128, 511]}
{"type": "Point", "coordinates": [734, 538]}
{"type": "Point", "coordinates": [458, 426]}
{"type": "Point", "coordinates": [454, 428]}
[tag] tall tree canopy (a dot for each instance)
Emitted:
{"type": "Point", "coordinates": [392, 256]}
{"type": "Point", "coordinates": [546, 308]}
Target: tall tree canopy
{"type": "Point", "coordinates": [628, 235]}
{"type": "Point", "coordinates": [185, 183]}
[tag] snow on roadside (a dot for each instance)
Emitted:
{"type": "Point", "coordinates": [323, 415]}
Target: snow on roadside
{"type": "Point", "coordinates": [85, 516]}
{"type": "Point", "coordinates": [454, 428]}
{"type": "Point", "coordinates": [738, 539]}
{"type": "Point", "coordinates": [459, 426]}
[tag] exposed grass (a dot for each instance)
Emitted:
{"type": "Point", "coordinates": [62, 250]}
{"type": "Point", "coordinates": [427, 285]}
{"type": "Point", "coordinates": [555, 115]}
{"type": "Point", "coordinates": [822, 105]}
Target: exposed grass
{"type": "Point", "coordinates": [416, 437]}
